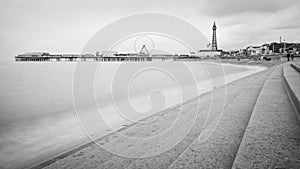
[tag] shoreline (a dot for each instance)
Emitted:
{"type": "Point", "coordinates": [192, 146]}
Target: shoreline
{"type": "Point", "coordinates": [249, 62]}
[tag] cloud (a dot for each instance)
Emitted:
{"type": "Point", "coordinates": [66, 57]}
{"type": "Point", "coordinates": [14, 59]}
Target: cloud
{"type": "Point", "coordinates": [287, 26]}
{"type": "Point", "coordinates": [223, 8]}
{"type": "Point", "coordinates": [65, 25]}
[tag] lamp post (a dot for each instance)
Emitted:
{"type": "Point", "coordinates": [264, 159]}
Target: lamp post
{"type": "Point", "coordinates": [284, 46]}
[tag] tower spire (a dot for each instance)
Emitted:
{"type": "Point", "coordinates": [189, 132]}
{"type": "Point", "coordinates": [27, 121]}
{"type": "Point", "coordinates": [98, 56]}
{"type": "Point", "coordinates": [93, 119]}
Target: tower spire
{"type": "Point", "coordinates": [214, 37]}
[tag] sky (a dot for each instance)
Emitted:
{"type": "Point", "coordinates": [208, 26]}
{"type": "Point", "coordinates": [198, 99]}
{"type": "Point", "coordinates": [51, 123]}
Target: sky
{"type": "Point", "coordinates": [65, 26]}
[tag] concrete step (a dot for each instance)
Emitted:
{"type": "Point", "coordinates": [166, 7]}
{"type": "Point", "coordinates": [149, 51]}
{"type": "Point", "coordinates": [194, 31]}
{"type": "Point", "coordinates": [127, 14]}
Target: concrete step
{"type": "Point", "coordinates": [291, 76]}
{"type": "Point", "coordinates": [296, 66]}
{"type": "Point", "coordinates": [272, 138]}
{"type": "Point", "coordinates": [220, 149]}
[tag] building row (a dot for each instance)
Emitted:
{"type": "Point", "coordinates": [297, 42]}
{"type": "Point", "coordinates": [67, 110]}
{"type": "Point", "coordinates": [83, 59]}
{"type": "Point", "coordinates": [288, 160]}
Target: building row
{"type": "Point", "coordinates": [272, 48]}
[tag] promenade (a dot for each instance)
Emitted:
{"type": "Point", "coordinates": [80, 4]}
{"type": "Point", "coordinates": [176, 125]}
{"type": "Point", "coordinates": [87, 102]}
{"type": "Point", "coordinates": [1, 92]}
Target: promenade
{"type": "Point", "coordinates": [255, 126]}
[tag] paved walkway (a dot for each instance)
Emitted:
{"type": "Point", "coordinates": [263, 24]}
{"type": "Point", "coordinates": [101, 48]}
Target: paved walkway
{"type": "Point", "coordinates": [253, 126]}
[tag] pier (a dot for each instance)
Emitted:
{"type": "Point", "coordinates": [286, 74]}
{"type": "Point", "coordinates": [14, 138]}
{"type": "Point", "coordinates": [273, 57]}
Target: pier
{"type": "Point", "coordinates": [46, 57]}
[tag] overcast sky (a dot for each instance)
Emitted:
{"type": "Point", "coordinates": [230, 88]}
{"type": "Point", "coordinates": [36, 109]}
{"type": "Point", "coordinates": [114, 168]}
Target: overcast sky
{"type": "Point", "coordinates": [65, 26]}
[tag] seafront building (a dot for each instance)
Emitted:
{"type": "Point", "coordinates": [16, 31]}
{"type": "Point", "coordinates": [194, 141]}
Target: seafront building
{"type": "Point", "coordinates": [271, 49]}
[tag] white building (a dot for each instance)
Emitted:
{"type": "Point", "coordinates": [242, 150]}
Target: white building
{"type": "Point", "coordinates": [209, 53]}
{"type": "Point", "coordinates": [258, 50]}
{"type": "Point", "coordinates": [253, 50]}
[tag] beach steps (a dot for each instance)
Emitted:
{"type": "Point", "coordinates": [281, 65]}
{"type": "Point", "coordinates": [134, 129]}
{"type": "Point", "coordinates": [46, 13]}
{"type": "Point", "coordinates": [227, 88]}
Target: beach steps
{"type": "Point", "coordinates": [221, 133]}
{"type": "Point", "coordinates": [272, 138]}
{"type": "Point", "coordinates": [291, 74]}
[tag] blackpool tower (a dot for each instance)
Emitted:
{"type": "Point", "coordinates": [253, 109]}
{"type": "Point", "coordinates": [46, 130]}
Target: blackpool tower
{"type": "Point", "coordinates": [214, 38]}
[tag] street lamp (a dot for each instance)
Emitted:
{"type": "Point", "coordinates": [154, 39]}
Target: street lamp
{"type": "Point", "coordinates": [284, 46]}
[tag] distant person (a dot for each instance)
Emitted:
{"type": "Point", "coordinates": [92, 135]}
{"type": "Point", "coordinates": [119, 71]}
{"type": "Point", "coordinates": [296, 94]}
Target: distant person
{"type": "Point", "coordinates": [288, 57]}
{"type": "Point", "coordinates": [292, 56]}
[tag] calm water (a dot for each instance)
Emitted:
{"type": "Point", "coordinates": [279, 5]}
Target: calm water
{"type": "Point", "coordinates": [37, 114]}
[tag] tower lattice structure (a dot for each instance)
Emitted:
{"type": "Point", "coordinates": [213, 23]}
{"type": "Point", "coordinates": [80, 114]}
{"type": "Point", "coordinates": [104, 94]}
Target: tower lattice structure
{"type": "Point", "coordinates": [214, 38]}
